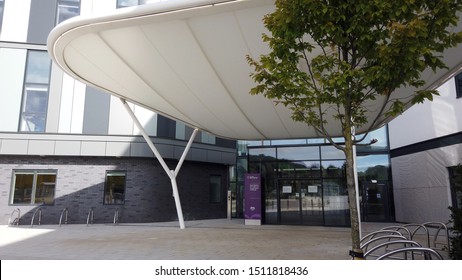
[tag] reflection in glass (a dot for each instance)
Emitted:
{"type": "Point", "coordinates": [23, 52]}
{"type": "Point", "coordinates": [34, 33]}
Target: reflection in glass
{"type": "Point", "coordinates": [34, 187]}
{"type": "Point", "coordinates": [215, 189]}
{"type": "Point", "coordinates": [298, 153]}
{"type": "Point", "coordinates": [67, 9]}
{"type": "Point", "coordinates": [23, 185]}
{"type": "Point", "coordinates": [373, 167]}
{"type": "Point", "coordinates": [311, 193]}
{"type": "Point", "coordinates": [336, 207]}
{"type": "Point", "coordinates": [35, 98]}
{"type": "Point", "coordinates": [114, 191]}
{"type": "Point", "coordinates": [262, 154]}
{"type": "Point", "coordinates": [333, 168]}
{"type": "Point", "coordinates": [330, 152]}
{"type": "Point", "coordinates": [382, 141]}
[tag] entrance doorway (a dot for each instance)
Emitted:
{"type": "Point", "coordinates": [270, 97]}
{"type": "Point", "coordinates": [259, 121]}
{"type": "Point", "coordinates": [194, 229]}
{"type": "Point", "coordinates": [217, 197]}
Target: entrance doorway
{"type": "Point", "coordinates": [301, 202]}
{"type": "Point", "coordinates": [375, 201]}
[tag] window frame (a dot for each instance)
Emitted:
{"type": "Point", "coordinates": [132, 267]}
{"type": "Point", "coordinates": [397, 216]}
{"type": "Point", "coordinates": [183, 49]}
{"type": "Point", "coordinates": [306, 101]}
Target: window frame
{"type": "Point", "coordinates": [106, 184]}
{"type": "Point", "coordinates": [31, 86]}
{"type": "Point", "coordinates": [458, 84]}
{"type": "Point", "coordinates": [35, 173]}
{"type": "Point", "coordinates": [2, 8]}
{"type": "Point", "coordinates": [66, 3]}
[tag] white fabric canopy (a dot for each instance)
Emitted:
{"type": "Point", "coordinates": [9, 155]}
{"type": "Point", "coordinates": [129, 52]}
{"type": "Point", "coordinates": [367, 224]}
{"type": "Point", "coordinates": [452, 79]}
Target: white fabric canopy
{"type": "Point", "coordinates": [185, 59]}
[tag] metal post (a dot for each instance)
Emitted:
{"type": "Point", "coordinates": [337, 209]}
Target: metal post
{"type": "Point", "coordinates": [171, 173]}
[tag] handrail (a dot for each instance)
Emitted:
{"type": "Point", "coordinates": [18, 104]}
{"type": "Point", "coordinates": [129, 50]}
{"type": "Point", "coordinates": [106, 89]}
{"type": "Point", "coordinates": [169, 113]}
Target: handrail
{"type": "Point", "coordinates": [116, 216]}
{"type": "Point", "coordinates": [90, 216]}
{"type": "Point", "coordinates": [39, 210]}
{"type": "Point", "coordinates": [12, 222]}
{"type": "Point", "coordinates": [64, 213]}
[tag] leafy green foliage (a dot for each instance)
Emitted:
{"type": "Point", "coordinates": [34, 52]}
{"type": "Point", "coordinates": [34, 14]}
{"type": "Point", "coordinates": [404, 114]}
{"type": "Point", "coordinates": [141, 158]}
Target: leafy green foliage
{"type": "Point", "coordinates": [364, 49]}
{"type": "Point", "coordinates": [336, 57]}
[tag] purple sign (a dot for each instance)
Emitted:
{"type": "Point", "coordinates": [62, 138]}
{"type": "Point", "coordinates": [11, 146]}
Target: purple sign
{"type": "Point", "coordinates": [252, 195]}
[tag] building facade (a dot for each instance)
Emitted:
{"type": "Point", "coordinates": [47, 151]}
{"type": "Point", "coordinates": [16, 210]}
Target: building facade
{"type": "Point", "coordinates": [65, 145]}
{"type": "Point", "coordinates": [426, 144]}
{"type": "Point", "coordinates": [304, 182]}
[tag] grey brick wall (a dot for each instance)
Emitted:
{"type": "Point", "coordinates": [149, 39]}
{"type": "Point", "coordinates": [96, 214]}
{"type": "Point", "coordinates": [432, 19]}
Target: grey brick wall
{"type": "Point", "coordinates": [148, 194]}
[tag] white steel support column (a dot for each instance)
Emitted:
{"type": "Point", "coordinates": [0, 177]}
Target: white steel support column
{"type": "Point", "coordinates": [171, 173]}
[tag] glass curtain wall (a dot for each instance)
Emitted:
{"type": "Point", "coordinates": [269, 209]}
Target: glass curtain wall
{"type": "Point", "coordinates": [304, 180]}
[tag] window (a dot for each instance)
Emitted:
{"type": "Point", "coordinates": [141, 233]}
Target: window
{"type": "Point", "coordinates": [458, 80]}
{"type": "Point", "coordinates": [67, 9]}
{"type": "Point", "coordinates": [35, 97]}
{"type": "Point", "coordinates": [114, 191]}
{"type": "Point", "coordinates": [215, 189]}
{"type": "Point", "coordinates": [2, 5]}
{"type": "Point", "coordinates": [33, 187]}
{"type": "Point", "coordinates": [129, 3]}
{"type": "Point", "coordinates": [455, 179]}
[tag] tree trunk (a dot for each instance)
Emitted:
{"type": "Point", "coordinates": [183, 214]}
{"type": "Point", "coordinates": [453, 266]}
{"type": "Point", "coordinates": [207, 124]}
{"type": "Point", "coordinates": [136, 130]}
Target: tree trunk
{"type": "Point", "coordinates": [351, 186]}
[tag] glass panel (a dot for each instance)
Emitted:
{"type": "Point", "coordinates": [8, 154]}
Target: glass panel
{"type": "Point", "coordinates": [333, 168]}
{"type": "Point", "coordinates": [45, 188]}
{"type": "Point", "coordinates": [215, 189]}
{"type": "Point", "coordinates": [67, 9]}
{"type": "Point", "coordinates": [23, 184]}
{"type": "Point", "coordinates": [311, 202]}
{"type": "Point", "coordinates": [308, 169]}
{"type": "Point", "coordinates": [271, 202]}
{"type": "Point", "coordinates": [286, 169]}
{"type": "Point", "coordinates": [114, 192]}
{"type": "Point", "coordinates": [38, 67]}
{"type": "Point", "coordinates": [290, 202]}
{"type": "Point", "coordinates": [298, 153]}
{"type": "Point", "coordinates": [381, 144]}
{"type": "Point", "coordinates": [33, 118]}
{"type": "Point", "coordinates": [262, 154]}
{"type": "Point", "coordinates": [330, 152]}
{"type": "Point", "coordinates": [127, 3]}
{"type": "Point", "coordinates": [373, 167]}
{"type": "Point", "coordinates": [2, 3]}
{"type": "Point", "coordinates": [336, 208]}
{"type": "Point", "coordinates": [288, 142]}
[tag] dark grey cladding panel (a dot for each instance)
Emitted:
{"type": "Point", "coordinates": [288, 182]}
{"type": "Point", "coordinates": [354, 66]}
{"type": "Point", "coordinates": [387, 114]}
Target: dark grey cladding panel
{"type": "Point", "coordinates": [42, 19]}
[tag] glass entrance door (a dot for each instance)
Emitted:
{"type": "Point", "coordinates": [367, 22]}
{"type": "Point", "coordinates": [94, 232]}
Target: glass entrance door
{"type": "Point", "coordinates": [311, 202]}
{"type": "Point", "coordinates": [289, 202]}
{"type": "Point", "coordinates": [301, 202]}
{"type": "Point", "coordinates": [375, 202]}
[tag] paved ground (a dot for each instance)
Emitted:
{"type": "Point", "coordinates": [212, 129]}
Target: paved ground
{"type": "Point", "coordinates": [206, 239]}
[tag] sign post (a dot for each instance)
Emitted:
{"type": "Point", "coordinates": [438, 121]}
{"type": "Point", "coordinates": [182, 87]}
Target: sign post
{"type": "Point", "coordinates": [252, 196]}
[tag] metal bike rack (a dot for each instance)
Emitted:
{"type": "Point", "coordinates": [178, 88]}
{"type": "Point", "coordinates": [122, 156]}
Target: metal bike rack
{"type": "Point", "coordinates": [15, 221]}
{"type": "Point", "coordinates": [39, 211]}
{"type": "Point", "coordinates": [439, 227]}
{"type": "Point", "coordinates": [90, 216]}
{"type": "Point", "coordinates": [429, 254]}
{"type": "Point", "coordinates": [65, 214]}
{"type": "Point", "coordinates": [116, 216]}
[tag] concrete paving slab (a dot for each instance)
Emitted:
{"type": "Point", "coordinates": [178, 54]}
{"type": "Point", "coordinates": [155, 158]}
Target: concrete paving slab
{"type": "Point", "coordinates": [205, 239]}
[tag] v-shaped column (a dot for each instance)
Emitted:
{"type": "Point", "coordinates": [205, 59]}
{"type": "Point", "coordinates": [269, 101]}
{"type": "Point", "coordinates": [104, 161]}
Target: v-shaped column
{"type": "Point", "coordinates": [171, 173]}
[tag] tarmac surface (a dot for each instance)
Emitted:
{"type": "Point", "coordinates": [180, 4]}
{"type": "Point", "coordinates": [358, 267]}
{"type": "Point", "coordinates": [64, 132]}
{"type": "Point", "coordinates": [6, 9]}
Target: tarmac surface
{"type": "Point", "coordinates": [220, 239]}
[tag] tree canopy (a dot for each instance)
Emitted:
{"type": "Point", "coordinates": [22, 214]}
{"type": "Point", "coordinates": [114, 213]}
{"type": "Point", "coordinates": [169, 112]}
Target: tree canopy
{"type": "Point", "coordinates": [330, 59]}
{"type": "Point", "coordinates": [365, 48]}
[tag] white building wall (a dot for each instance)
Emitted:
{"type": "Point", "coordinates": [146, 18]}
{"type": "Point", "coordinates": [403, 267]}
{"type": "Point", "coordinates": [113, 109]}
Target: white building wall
{"type": "Point", "coordinates": [441, 117]}
{"type": "Point", "coordinates": [420, 177]}
{"type": "Point", "coordinates": [13, 62]}
{"type": "Point", "coordinates": [15, 21]}
{"type": "Point", "coordinates": [421, 184]}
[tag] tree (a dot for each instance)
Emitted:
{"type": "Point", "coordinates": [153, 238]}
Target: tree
{"type": "Point", "coordinates": [329, 59]}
